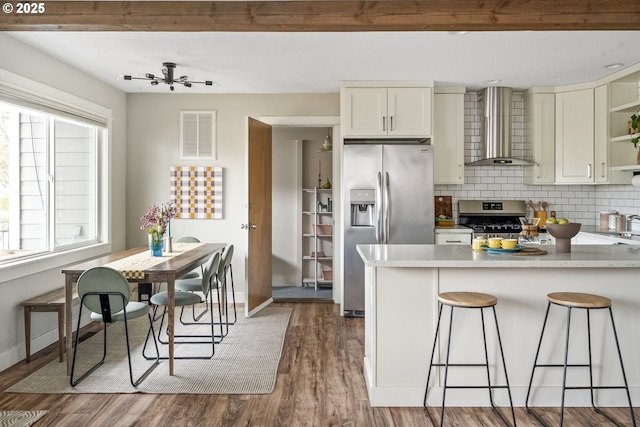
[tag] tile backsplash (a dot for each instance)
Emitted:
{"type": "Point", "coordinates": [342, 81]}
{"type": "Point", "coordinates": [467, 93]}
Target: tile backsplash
{"type": "Point", "coordinates": [578, 203]}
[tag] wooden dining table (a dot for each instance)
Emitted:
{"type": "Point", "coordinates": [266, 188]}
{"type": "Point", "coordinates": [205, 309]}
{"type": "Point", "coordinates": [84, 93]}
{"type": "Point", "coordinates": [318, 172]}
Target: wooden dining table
{"type": "Point", "coordinates": [184, 258]}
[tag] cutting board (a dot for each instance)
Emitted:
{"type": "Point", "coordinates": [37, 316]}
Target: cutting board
{"type": "Point", "coordinates": [443, 206]}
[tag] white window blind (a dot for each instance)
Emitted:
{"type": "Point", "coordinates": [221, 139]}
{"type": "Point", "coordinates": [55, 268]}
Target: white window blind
{"type": "Point", "coordinates": [198, 135]}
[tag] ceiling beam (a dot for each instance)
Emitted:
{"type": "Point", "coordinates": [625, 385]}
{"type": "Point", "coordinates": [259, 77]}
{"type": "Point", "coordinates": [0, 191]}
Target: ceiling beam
{"type": "Point", "coordinates": [329, 16]}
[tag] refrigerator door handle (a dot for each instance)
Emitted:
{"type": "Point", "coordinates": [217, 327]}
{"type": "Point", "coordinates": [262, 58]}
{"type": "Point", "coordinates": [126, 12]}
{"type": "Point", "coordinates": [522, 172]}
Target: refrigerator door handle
{"type": "Point", "coordinates": [378, 220]}
{"type": "Point", "coordinates": [387, 209]}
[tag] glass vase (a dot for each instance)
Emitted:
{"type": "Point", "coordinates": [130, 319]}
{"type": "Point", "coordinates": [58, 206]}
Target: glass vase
{"type": "Point", "coordinates": [155, 244]}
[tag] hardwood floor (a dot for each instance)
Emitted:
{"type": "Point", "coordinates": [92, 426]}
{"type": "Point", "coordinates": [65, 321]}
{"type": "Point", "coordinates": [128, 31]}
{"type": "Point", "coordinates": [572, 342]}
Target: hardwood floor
{"type": "Point", "coordinates": [320, 383]}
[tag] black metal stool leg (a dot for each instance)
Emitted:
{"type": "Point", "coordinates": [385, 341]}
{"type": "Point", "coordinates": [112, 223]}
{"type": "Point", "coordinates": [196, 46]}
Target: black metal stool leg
{"type": "Point", "coordinates": [535, 363]}
{"type": "Point", "coordinates": [433, 352]}
{"type": "Point", "coordinates": [486, 359]}
{"type": "Point", "coordinates": [624, 375]}
{"type": "Point", "coordinates": [446, 367]}
{"type": "Point", "coordinates": [593, 404]}
{"type": "Point", "coordinates": [504, 366]}
{"type": "Point", "coordinates": [564, 371]}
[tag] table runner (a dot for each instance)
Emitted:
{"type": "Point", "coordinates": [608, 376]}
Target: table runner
{"type": "Point", "coordinates": [134, 266]}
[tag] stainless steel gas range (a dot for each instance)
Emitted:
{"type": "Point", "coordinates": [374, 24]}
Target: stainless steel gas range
{"type": "Point", "coordinates": [492, 218]}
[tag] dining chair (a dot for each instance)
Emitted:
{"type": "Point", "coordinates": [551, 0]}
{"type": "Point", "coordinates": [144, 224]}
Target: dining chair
{"type": "Point", "coordinates": [193, 273]}
{"type": "Point", "coordinates": [223, 273]}
{"type": "Point", "coordinates": [184, 299]}
{"type": "Point", "coordinates": [106, 293]}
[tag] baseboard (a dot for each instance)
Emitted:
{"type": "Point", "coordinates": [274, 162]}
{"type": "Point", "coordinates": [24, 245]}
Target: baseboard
{"type": "Point", "coordinates": [541, 396]}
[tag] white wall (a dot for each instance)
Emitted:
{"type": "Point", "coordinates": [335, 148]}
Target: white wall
{"type": "Point", "coordinates": [578, 203]}
{"type": "Point", "coordinates": [32, 64]}
{"type": "Point", "coordinates": [153, 146]}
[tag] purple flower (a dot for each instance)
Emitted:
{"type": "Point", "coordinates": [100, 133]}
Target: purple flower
{"type": "Point", "coordinates": [156, 219]}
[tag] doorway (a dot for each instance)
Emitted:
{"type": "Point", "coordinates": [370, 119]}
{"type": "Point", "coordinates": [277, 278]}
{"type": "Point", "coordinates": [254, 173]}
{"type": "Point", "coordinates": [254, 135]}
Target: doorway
{"type": "Point", "coordinates": [297, 155]}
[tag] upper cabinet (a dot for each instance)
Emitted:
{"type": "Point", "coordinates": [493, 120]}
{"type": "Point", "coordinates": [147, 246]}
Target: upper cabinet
{"type": "Point", "coordinates": [374, 111]}
{"type": "Point", "coordinates": [575, 137]}
{"type": "Point", "coordinates": [540, 136]}
{"type": "Point", "coordinates": [448, 137]}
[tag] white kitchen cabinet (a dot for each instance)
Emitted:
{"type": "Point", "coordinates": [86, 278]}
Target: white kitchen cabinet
{"type": "Point", "coordinates": [575, 137]}
{"type": "Point", "coordinates": [540, 137]}
{"type": "Point", "coordinates": [448, 138]}
{"type": "Point", "coordinates": [444, 238]}
{"type": "Point", "coordinates": [455, 235]}
{"type": "Point", "coordinates": [383, 112]}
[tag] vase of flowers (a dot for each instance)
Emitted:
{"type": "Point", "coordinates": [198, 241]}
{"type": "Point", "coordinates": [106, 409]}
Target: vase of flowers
{"type": "Point", "coordinates": [157, 221]}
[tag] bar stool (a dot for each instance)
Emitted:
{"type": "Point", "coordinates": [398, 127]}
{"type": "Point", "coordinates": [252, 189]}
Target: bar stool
{"type": "Point", "coordinates": [467, 300]}
{"type": "Point", "coordinates": [588, 302]}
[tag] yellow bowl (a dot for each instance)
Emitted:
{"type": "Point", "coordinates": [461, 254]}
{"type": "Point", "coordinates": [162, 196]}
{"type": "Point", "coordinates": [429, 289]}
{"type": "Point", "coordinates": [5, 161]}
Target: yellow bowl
{"type": "Point", "coordinates": [509, 243]}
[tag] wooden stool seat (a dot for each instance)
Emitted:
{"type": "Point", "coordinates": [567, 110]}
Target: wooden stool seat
{"type": "Point", "coordinates": [467, 299]}
{"type": "Point", "coordinates": [579, 300]}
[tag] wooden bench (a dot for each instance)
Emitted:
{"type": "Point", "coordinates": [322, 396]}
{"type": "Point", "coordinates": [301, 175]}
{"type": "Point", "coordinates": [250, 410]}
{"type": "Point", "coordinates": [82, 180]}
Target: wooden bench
{"type": "Point", "coordinates": [50, 302]}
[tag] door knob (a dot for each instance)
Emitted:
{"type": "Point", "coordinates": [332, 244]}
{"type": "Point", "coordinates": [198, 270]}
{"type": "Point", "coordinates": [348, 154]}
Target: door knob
{"type": "Point", "coordinates": [248, 226]}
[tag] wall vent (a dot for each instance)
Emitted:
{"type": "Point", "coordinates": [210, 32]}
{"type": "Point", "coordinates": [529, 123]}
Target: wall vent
{"type": "Point", "coordinates": [198, 135]}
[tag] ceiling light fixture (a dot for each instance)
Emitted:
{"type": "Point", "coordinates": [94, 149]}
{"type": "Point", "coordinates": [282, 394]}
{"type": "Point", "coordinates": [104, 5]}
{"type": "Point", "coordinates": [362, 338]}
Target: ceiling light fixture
{"type": "Point", "coordinates": [167, 78]}
{"type": "Point", "coordinates": [614, 66]}
{"type": "Point", "coordinates": [492, 82]}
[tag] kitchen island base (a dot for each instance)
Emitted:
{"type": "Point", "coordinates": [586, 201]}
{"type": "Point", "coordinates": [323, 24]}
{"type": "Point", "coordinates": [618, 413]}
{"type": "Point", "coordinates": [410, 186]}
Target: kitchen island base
{"type": "Point", "coordinates": [400, 321]}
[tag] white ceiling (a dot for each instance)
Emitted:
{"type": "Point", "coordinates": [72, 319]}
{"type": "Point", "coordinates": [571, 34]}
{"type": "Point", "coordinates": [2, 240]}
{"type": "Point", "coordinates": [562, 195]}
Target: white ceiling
{"type": "Point", "coordinates": [317, 62]}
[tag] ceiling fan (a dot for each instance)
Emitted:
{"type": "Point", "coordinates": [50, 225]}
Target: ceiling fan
{"type": "Point", "coordinates": [167, 77]}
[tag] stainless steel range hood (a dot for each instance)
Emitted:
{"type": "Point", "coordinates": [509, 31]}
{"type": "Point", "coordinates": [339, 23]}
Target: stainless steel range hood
{"type": "Point", "coordinates": [496, 129]}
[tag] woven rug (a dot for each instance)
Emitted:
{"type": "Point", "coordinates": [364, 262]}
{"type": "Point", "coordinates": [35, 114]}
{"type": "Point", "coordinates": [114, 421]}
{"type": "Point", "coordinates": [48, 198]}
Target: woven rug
{"type": "Point", "coordinates": [20, 418]}
{"type": "Point", "coordinates": [245, 362]}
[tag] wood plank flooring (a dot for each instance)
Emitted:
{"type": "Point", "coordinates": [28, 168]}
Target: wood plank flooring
{"type": "Point", "coordinates": [320, 383]}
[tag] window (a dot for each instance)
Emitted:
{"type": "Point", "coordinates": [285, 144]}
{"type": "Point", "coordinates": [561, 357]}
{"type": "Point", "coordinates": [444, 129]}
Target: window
{"type": "Point", "coordinates": [48, 181]}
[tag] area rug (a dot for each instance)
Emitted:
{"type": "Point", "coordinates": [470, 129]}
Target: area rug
{"type": "Point", "coordinates": [20, 418]}
{"type": "Point", "coordinates": [245, 362]}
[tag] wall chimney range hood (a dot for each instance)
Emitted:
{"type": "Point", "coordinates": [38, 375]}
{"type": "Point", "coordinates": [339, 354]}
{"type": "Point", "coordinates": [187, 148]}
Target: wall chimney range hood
{"type": "Point", "coordinates": [496, 129]}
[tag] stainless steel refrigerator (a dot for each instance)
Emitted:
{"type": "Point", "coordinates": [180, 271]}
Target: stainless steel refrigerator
{"type": "Point", "coordinates": [388, 199]}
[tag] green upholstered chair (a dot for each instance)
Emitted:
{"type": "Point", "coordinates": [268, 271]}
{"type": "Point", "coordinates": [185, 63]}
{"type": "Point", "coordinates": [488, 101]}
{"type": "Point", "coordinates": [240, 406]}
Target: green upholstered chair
{"type": "Point", "coordinates": [225, 277]}
{"type": "Point", "coordinates": [106, 292]}
{"type": "Point", "coordinates": [218, 283]}
{"type": "Point", "coordinates": [185, 299]}
{"type": "Point", "coordinates": [193, 273]}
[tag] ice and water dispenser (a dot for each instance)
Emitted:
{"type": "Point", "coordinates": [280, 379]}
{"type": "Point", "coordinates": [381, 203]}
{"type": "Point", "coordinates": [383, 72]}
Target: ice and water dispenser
{"type": "Point", "coordinates": [362, 207]}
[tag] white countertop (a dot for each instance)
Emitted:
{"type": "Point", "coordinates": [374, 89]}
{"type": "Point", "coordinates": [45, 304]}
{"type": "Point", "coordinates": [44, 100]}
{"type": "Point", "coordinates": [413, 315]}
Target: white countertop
{"type": "Point", "coordinates": [433, 256]}
{"type": "Point", "coordinates": [453, 229]}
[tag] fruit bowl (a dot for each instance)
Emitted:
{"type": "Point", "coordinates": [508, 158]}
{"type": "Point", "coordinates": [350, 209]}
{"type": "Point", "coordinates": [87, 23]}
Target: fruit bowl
{"type": "Point", "coordinates": [563, 234]}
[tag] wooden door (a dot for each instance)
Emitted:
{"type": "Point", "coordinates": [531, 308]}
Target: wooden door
{"type": "Point", "coordinates": [258, 216]}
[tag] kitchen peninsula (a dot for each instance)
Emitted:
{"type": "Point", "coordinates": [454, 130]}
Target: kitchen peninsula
{"type": "Point", "coordinates": [402, 283]}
